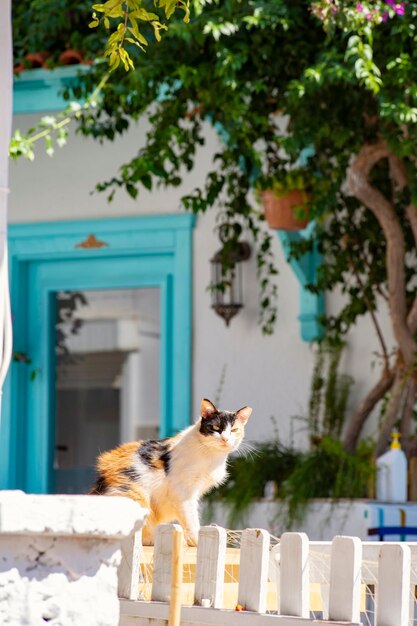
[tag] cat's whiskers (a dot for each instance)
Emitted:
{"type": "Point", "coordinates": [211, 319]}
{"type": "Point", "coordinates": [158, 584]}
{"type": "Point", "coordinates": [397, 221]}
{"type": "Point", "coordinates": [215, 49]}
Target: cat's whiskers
{"type": "Point", "coordinates": [247, 450]}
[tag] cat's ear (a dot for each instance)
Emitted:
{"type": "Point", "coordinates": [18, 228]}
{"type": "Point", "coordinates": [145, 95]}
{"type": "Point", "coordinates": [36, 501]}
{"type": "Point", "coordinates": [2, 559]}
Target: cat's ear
{"type": "Point", "coordinates": [244, 414]}
{"type": "Point", "coordinates": [207, 409]}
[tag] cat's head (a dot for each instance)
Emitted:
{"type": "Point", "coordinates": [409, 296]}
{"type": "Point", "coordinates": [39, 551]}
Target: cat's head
{"type": "Point", "coordinates": [223, 430]}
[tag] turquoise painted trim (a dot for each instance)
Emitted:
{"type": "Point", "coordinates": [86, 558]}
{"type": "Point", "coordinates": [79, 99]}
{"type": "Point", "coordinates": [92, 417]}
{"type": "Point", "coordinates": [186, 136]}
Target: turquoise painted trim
{"type": "Point", "coordinates": [39, 90]}
{"type": "Point", "coordinates": [312, 306]}
{"type": "Point", "coordinates": [142, 252]}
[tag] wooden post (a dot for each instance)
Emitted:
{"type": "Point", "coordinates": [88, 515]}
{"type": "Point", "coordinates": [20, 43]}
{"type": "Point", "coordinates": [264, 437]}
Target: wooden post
{"type": "Point", "coordinates": [162, 562]}
{"type": "Point", "coordinates": [294, 575]}
{"type": "Point", "coordinates": [253, 573]}
{"type": "Point", "coordinates": [211, 559]}
{"type": "Point", "coordinates": [174, 618]}
{"type": "Point", "coordinates": [412, 479]}
{"type": "Point", "coordinates": [393, 590]}
{"type": "Point", "coordinates": [345, 579]}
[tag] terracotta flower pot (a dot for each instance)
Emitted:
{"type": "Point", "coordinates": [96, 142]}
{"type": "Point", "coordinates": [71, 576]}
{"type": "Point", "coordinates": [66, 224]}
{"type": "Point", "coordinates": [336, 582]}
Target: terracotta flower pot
{"type": "Point", "coordinates": [71, 57]}
{"type": "Point", "coordinates": [279, 211]}
{"type": "Point", "coordinates": [36, 59]}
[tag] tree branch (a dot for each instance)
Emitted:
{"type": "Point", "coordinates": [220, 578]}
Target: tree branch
{"type": "Point", "coordinates": [384, 211]}
{"type": "Point", "coordinates": [399, 179]}
{"type": "Point", "coordinates": [361, 414]}
{"type": "Point", "coordinates": [378, 288]}
{"type": "Point", "coordinates": [407, 416]}
{"type": "Point", "coordinates": [411, 213]}
{"type": "Point", "coordinates": [372, 314]}
{"type": "Point", "coordinates": [391, 415]}
{"type": "Point", "coordinates": [398, 173]}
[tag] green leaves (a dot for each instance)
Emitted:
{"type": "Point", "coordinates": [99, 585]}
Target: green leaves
{"type": "Point", "coordinates": [111, 8]}
{"type": "Point", "coordinates": [20, 145]}
{"type": "Point", "coordinates": [169, 6]}
{"type": "Point", "coordinates": [127, 14]}
{"type": "Point", "coordinates": [366, 70]}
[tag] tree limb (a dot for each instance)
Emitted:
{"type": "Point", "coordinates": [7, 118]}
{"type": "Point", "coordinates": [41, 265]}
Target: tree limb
{"type": "Point", "coordinates": [407, 416]}
{"type": "Point", "coordinates": [391, 414]}
{"type": "Point", "coordinates": [373, 317]}
{"type": "Point", "coordinates": [361, 414]}
{"type": "Point", "coordinates": [411, 213]}
{"type": "Point", "coordinates": [399, 179]}
{"type": "Point", "coordinates": [384, 211]}
{"type": "Point", "coordinates": [398, 172]}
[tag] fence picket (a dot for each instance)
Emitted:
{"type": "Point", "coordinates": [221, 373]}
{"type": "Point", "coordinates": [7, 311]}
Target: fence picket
{"type": "Point", "coordinates": [253, 577]}
{"type": "Point", "coordinates": [211, 558]}
{"type": "Point", "coordinates": [129, 568]}
{"type": "Point", "coordinates": [294, 589]}
{"type": "Point", "coordinates": [162, 562]}
{"type": "Point", "coordinates": [392, 606]}
{"type": "Point", "coordinates": [345, 579]}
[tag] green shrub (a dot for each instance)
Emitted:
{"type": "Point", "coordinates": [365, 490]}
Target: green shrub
{"type": "Point", "coordinates": [328, 471]}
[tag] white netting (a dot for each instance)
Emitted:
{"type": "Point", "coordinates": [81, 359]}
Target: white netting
{"type": "Point", "coordinates": [319, 576]}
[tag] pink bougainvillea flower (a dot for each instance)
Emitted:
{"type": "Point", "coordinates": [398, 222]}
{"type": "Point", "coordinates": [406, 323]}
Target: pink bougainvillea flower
{"type": "Point", "coordinates": [399, 7]}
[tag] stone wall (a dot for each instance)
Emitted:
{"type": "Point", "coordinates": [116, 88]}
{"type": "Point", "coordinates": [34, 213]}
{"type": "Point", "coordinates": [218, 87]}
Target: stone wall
{"type": "Point", "coordinates": [59, 558]}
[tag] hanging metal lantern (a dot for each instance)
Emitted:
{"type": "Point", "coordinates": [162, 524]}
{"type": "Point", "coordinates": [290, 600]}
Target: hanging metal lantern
{"type": "Point", "coordinates": [226, 285]}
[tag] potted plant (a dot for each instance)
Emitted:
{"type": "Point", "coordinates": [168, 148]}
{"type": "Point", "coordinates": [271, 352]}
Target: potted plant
{"type": "Point", "coordinates": [71, 56]}
{"type": "Point", "coordinates": [286, 202]}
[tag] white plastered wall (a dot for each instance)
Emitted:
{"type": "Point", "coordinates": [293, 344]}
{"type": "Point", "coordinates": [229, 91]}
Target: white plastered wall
{"type": "Point", "coordinates": [271, 373]}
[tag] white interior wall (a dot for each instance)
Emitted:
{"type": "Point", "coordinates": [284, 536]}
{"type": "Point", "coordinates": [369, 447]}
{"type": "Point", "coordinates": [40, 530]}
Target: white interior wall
{"type": "Point", "coordinates": [271, 373]}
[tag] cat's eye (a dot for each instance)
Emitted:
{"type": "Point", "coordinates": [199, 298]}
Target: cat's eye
{"type": "Point", "coordinates": [216, 428]}
{"type": "Point", "coordinates": [234, 430]}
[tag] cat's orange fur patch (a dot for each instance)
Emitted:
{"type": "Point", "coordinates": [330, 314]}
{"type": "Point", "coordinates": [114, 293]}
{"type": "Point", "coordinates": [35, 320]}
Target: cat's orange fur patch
{"type": "Point", "coordinates": [158, 464]}
{"type": "Point", "coordinates": [111, 465]}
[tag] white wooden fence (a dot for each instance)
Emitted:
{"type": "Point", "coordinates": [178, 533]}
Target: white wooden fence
{"type": "Point", "coordinates": [341, 567]}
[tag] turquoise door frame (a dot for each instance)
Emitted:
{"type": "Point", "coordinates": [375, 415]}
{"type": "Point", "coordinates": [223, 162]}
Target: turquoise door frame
{"type": "Point", "coordinates": [46, 258]}
{"type": "Point", "coordinates": [312, 305]}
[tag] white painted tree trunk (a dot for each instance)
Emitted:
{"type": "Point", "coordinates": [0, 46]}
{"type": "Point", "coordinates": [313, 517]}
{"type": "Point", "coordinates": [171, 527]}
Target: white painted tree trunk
{"type": "Point", "coordinates": [6, 96]}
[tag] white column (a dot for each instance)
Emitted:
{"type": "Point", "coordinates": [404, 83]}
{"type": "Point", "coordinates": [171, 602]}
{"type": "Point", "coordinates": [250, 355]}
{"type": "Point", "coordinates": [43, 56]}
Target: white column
{"type": "Point", "coordinates": [6, 99]}
{"type": "Point", "coordinates": [130, 405]}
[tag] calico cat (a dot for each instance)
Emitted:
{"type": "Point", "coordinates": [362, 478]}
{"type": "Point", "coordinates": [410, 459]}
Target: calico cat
{"type": "Point", "coordinates": [170, 476]}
